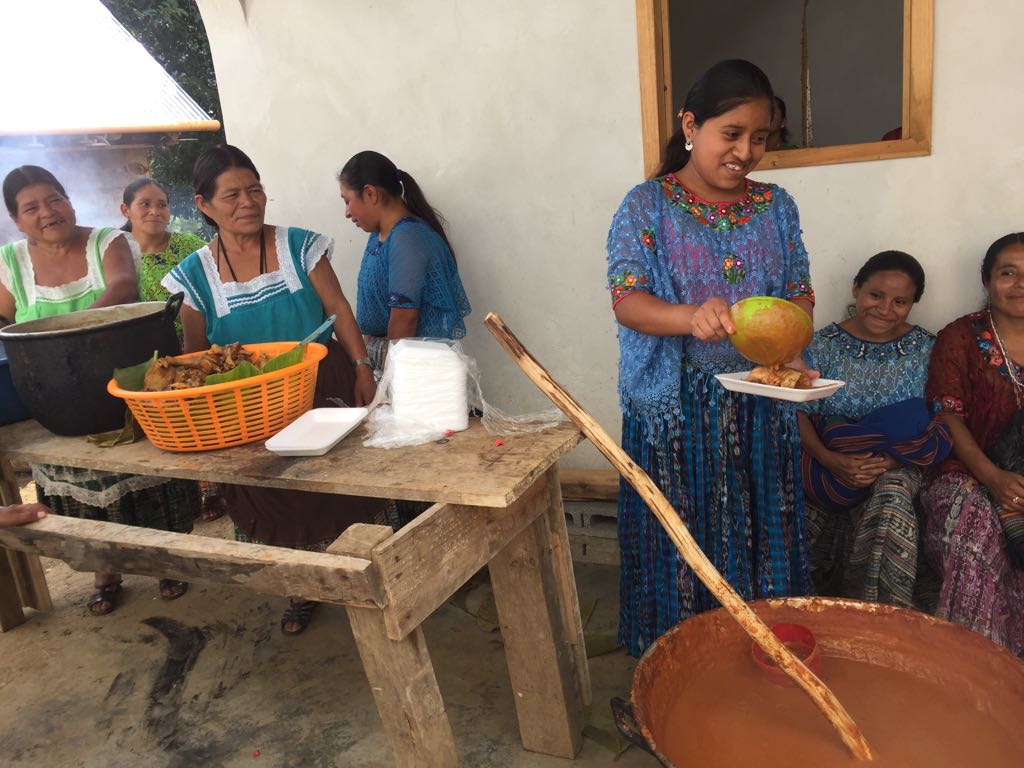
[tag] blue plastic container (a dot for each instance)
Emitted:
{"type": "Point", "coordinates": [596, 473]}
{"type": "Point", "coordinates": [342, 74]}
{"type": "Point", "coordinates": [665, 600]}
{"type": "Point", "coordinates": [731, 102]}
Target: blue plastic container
{"type": "Point", "coordinates": [11, 409]}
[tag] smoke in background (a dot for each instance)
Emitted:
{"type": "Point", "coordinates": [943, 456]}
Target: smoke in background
{"type": "Point", "coordinates": [95, 178]}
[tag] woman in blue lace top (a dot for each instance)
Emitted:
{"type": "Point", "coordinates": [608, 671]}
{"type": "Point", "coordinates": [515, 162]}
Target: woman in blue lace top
{"type": "Point", "coordinates": [682, 247]}
{"type": "Point", "coordinates": [409, 283]}
{"type": "Point", "coordinates": [866, 446]}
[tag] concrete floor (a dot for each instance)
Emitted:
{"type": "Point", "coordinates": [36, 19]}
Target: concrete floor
{"type": "Point", "coordinates": [209, 680]}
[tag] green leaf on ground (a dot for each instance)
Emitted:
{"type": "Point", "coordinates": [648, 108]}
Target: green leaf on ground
{"type": "Point", "coordinates": [487, 613]}
{"type": "Point", "coordinates": [600, 643]}
{"type": "Point", "coordinates": [600, 727]}
{"type": "Point", "coordinates": [587, 611]}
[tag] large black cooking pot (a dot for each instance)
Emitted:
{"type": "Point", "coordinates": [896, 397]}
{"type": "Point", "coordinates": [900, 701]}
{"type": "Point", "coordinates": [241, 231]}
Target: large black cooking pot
{"type": "Point", "coordinates": [61, 365]}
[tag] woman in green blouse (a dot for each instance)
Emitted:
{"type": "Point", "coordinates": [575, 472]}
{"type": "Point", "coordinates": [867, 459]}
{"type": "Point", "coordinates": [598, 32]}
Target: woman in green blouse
{"type": "Point", "coordinates": [146, 209]}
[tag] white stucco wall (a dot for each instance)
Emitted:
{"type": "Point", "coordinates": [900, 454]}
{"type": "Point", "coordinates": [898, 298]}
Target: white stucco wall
{"type": "Point", "coordinates": [521, 122]}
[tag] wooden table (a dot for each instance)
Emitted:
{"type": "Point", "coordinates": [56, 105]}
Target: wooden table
{"type": "Point", "coordinates": [495, 505]}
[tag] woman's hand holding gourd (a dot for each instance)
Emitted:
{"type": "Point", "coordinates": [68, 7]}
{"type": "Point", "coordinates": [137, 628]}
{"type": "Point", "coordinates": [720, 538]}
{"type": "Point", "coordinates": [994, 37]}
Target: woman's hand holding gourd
{"type": "Point", "coordinates": [712, 321]}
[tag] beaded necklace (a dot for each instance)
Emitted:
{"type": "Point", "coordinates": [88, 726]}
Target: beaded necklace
{"type": "Point", "coordinates": [263, 255]}
{"type": "Point", "coordinates": [1011, 367]}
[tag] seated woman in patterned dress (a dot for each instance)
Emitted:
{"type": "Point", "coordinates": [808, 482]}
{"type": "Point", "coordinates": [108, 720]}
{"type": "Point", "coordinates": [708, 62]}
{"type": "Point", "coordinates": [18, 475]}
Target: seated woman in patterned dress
{"type": "Point", "coordinates": [865, 447]}
{"type": "Point", "coordinates": [975, 381]}
{"type": "Point", "coordinates": [256, 282]}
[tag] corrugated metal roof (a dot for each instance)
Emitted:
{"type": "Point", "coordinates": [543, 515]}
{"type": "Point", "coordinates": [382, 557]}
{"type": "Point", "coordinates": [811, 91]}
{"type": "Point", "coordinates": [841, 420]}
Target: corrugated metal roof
{"type": "Point", "coordinates": [70, 67]}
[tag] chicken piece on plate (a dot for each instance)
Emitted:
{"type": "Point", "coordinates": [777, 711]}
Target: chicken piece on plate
{"type": "Point", "coordinates": [778, 376]}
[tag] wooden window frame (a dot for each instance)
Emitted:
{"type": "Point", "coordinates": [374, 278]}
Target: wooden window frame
{"type": "Point", "coordinates": [658, 115]}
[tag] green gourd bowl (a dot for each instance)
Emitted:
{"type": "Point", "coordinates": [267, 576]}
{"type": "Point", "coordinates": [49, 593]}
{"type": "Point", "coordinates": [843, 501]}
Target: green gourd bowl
{"type": "Point", "coordinates": [770, 331]}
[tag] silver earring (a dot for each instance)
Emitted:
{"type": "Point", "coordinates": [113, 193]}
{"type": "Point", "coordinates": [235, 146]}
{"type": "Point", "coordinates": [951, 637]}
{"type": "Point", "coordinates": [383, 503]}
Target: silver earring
{"type": "Point", "coordinates": [688, 145]}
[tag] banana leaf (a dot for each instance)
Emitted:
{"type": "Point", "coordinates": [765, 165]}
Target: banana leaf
{"type": "Point", "coordinates": [292, 357]}
{"type": "Point", "coordinates": [133, 377]}
{"type": "Point", "coordinates": [243, 370]}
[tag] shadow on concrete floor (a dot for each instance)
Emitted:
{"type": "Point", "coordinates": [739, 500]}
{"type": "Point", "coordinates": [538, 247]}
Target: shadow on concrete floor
{"type": "Point", "coordinates": [209, 680]}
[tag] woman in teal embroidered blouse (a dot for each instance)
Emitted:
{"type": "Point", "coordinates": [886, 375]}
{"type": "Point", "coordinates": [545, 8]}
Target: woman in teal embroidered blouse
{"type": "Point", "coordinates": [255, 282]}
{"type": "Point", "coordinates": [682, 247]}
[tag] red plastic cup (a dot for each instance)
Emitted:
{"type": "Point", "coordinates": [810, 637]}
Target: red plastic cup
{"type": "Point", "coordinates": [800, 640]}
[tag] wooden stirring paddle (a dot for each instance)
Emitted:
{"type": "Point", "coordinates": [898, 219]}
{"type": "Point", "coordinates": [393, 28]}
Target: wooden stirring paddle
{"type": "Point", "coordinates": [751, 623]}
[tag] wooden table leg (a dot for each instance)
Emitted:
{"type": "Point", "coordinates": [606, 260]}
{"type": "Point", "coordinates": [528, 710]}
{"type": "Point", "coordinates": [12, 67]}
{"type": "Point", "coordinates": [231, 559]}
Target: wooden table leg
{"type": "Point", "coordinates": [538, 639]}
{"type": "Point", "coordinates": [401, 675]}
{"type": "Point", "coordinates": [11, 614]}
{"type": "Point", "coordinates": [562, 560]}
{"type": "Point", "coordinates": [404, 686]}
{"type": "Point", "coordinates": [22, 581]}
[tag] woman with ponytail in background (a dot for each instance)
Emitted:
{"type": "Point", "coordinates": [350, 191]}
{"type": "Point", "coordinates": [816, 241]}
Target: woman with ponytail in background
{"type": "Point", "coordinates": [409, 283]}
{"type": "Point", "coordinates": [682, 247]}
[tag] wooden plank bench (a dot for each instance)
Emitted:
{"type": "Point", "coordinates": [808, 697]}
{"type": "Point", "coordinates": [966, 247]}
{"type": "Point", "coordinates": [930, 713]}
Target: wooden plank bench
{"type": "Point", "coordinates": [495, 505]}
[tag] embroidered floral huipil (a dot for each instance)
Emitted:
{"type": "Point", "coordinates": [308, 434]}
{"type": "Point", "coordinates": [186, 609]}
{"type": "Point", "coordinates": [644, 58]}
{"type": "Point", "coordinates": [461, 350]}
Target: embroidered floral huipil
{"type": "Point", "coordinates": [728, 463]}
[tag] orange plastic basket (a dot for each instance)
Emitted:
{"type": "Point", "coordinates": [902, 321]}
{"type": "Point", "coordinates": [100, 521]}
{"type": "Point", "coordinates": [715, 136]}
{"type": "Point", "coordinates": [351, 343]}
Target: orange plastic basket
{"type": "Point", "coordinates": [232, 413]}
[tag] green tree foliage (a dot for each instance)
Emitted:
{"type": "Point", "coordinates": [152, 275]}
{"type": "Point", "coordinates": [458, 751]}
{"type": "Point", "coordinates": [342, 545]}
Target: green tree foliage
{"type": "Point", "coordinates": [173, 33]}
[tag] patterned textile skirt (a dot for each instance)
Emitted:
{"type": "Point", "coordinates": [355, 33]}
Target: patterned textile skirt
{"type": "Point", "coordinates": [731, 468]}
{"type": "Point", "coordinates": [870, 552]}
{"type": "Point", "coordinates": [306, 546]}
{"type": "Point", "coordinates": [169, 506]}
{"type": "Point", "coordinates": [981, 589]}
{"type": "Point", "coordinates": [303, 519]}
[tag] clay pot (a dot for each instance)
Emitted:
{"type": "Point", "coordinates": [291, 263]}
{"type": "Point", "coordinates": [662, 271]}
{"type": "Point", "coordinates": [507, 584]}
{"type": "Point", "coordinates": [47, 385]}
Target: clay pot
{"type": "Point", "coordinates": [770, 331]}
{"type": "Point", "coordinates": [979, 673]}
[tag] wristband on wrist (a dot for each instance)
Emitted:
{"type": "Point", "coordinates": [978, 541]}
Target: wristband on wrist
{"type": "Point", "coordinates": [362, 361]}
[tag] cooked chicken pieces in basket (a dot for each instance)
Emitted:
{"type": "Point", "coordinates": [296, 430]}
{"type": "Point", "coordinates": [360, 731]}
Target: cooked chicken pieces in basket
{"type": "Point", "coordinates": [187, 371]}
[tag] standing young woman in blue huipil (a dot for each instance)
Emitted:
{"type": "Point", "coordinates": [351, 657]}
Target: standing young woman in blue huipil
{"type": "Point", "coordinates": [409, 283]}
{"type": "Point", "coordinates": [682, 247]}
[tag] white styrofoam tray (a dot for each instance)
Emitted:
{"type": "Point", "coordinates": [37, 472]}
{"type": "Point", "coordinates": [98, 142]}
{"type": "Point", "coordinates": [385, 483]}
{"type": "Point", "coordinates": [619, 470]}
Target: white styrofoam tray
{"type": "Point", "coordinates": [315, 432]}
{"type": "Point", "coordinates": [737, 382]}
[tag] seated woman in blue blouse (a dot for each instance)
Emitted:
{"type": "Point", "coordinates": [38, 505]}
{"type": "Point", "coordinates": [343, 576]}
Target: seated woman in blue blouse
{"type": "Point", "coordinates": [865, 447]}
{"type": "Point", "coordinates": [409, 283]}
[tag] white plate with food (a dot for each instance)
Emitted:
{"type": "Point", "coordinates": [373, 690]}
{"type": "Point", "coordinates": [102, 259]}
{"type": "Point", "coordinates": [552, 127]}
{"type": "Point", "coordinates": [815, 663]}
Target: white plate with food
{"type": "Point", "coordinates": [315, 432]}
{"type": "Point", "coordinates": [737, 382]}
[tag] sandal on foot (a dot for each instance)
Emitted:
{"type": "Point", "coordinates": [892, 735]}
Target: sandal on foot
{"type": "Point", "coordinates": [214, 507]}
{"type": "Point", "coordinates": [172, 589]}
{"type": "Point", "coordinates": [104, 599]}
{"type": "Point", "coordinates": [297, 617]}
